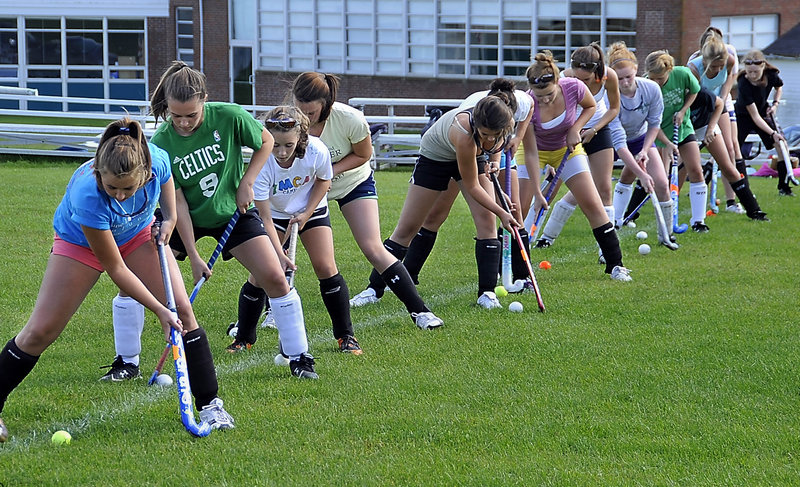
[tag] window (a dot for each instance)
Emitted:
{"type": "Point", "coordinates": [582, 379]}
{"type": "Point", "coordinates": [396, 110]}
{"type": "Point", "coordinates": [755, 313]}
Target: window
{"type": "Point", "coordinates": [748, 32]}
{"type": "Point", "coordinates": [184, 28]}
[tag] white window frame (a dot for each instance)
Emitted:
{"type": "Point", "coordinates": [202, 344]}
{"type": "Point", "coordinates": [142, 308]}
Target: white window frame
{"type": "Point", "coordinates": [746, 32]}
{"type": "Point", "coordinates": [184, 54]}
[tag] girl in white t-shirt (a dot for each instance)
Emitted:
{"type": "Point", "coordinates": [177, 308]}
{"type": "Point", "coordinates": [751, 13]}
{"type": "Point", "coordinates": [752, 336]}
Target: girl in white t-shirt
{"type": "Point", "coordinates": [291, 188]}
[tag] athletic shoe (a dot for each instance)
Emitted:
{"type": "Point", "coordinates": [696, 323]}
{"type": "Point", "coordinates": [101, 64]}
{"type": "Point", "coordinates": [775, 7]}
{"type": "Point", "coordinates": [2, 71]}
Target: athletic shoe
{"type": "Point", "coordinates": [238, 346]}
{"type": "Point", "coordinates": [427, 320]}
{"type": "Point", "coordinates": [216, 416]}
{"type": "Point", "coordinates": [619, 273]}
{"type": "Point", "coordinates": [3, 431]}
{"type": "Point", "coordinates": [735, 208]}
{"type": "Point", "coordinates": [349, 344]}
{"type": "Point", "coordinates": [281, 360]}
{"type": "Point", "coordinates": [367, 296]}
{"type": "Point", "coordinates": [121, 371]}
{"type": "Point", "coordinates": [233, 329]}
{"type": "Point", "coordinates": [303, 367]}
{"type": "Point", "coordinates": [759, 216]}
{"type": "Point", "coordinates": [543, 243]}
{"type": "Point", "coordinates": [700, 227]}
{"type": "Point", "coordinates": [784, 190]}
{"type": "Point", "coordinates": [488, 300]}
{"type": "Point", "coordinates": [601, 259]}
{"type": "Point", "coordinates": [269, 319]}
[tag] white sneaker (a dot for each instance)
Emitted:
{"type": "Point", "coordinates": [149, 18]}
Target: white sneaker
{"type": "Point", "coordinates": [488, 300]}
{"type": "Point", "coordinates": [619, 273]}
{"type": "Point", "coordinates": [269, 320]}
{"type": "Point", "coordinates": [216, 416]}
{"type": "Point", "coordinates": [735, 208]}
{"type": "Point", "coordinates": [281, 360]}
{"type": "Point", "coordinates": [427, 320]}
{"type": "Point", "coordinates": [367, 296]}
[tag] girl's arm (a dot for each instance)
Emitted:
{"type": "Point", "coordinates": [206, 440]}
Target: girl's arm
{"type": "Point", "coordinates": [532, 165]}
{"type": "Point", "coordinates": [719, 105]}
{"type": "Point", "coordinates": [244, 193]}
{"type": "Point", "coordinates": [725, 90]}
{"type": "Point", "coordinates": [776, 97]}
{"type": "Point", "coordinates": [612, 90]}
{"type": "Point", "coordinates": [186, 232]}
{"type": "Point", "coordinates": [105, 249]}
{"type": "Point", "coordinates": [266, 215]}
{"type": "Point", "coordinates": [761, 123]}
{"type": "Point", "coordinates": [362, 152]}
{"type": "Point", "coordinates": [318, 191]}
{"type": "Point", "coordinates": [677, 117]}
{"type": "Point", "coordinates": [521, 130]}
{"type": "Point", "coordinates": [588, 104]}
{"type": "Point", "coordinates": [168, 212]}
{"type": "Point", "coordinates": [466, 155]}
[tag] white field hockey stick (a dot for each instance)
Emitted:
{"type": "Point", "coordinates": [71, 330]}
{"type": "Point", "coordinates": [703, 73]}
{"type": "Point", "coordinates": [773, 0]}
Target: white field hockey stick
{"type": "Point", "coordinates": [673, 186]}
{"type": "Point", "coordinates": [662, 225]}
{"type": "Point", "coordinates": [504, 203]}
{"type": "Point", "coordinates": [506, 274]}
{"type": "Point", "coordinates": [214, 256]}
{"type": "Point", "coordinates": [635, 211]}
{"type": "Point", "coordinates": [712, 189]}
{"type": "Point", "coordinates": [292, 252]}
{"type": "Point", "coordinates": [179, 356]}
{"type": "Point", "coordinates": [783, 148]}
{"type": "Point", "coordinates": [550, 194]}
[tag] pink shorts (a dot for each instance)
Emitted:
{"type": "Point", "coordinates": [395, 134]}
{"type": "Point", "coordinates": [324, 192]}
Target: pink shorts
{"type": "Point", "coordinates": [84, 255]}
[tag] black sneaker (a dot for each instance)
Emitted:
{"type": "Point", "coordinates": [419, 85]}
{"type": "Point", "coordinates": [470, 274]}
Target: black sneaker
{"type": "Point", "coordinates": [785, 190]}
{"type": "Point", "coordinates": [543, 243]}
{"type": "Point", "coordinates": [700, 227]}
{"type": "Point", "coordinates": [121, 371]}
{"type": "Point", "coordinates": [759, 216]}
{"type": "Point", "coordinates": [303, 367]}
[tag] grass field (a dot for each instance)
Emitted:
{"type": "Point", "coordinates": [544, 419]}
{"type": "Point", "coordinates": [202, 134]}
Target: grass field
{"type": "Point", "coordinates": [686, 376]}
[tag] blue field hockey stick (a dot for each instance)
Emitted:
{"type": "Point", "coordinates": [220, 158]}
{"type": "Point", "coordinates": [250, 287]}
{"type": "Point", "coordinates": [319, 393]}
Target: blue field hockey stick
{"type": "Point", "coordinates": [673, 185]}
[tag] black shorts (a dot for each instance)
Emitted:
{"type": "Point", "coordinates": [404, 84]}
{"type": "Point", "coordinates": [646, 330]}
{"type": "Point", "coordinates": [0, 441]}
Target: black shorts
{"type": "Point", "coordinates": [600, 141]}
{"type": "Point", "coordinates": [436, 175]}
{"type": "Point", "coordinates": [248, 227]}
{"type": "Point", "coordinates": [689, 138]}
{"type": "Point", "coordinates": [746, 126]}
{"type": "Point", "coordinates": [320, 218]}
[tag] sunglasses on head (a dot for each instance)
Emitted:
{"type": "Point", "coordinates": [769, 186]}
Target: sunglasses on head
{"type": "Point", "coordinates": [586, 66]}
{"type": "Point", "coordinates": [756, 62]}
{"type": "Point", "coordinates": [543, 79]}
{"type": "Point", "coordinates": [285, 123]}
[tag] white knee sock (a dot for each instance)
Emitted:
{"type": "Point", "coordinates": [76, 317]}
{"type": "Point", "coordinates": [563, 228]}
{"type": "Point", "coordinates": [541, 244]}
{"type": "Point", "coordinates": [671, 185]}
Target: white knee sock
{"type": "Point", "coordinates": [610, 211]}
{"type": "Point", "coordinates": [128, 318]}
{"type": "Point", "coordinates": [698, 193]}
{"type": "Point", "coordinates": [622, 197]}
{"type": "Point", "coordinates": [558, 218]}
{"type": "Point", "coordinates": [666, 210]}
{"type": "Point", "coordinates": [288, 313]}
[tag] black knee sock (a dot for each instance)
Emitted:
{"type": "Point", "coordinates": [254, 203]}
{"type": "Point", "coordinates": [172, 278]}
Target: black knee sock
{"type": "Point", "coordinates": [782, 173]}
{"type": "Point", "coordinates": [608, 241]}
{"type": "Point", "coordinates": [336, 297]}
{"type": "Point", "coordinates": [487, 255]}
{"type": "Point", "coordinates": [746, 197]}
{"type": "Point", "coordinates": [637, 197]}
{"type": "Point", "coordinates": [741, 166]}
{"type": "Point", "coordinates": [251, 303]}
{"type": "Point", "coordinates": [15, 365]}
{"type": "Point", "coordinates": [518, 267]}
{"type": "Point", "coordinates": [708, 169]}
{"type": "Point", "coordinates": [418, 252]}
{"type": "Point", "coordinates": [376, 281]}
{"type": "Point", "coordinates": [399, 281]}
{"type": "Point", "coordinates": [200, 365]}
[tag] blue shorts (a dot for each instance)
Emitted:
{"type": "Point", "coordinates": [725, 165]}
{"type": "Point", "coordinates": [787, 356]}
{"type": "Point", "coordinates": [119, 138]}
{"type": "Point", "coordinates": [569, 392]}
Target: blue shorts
{"type": "Point", "coordinates": [365, 190]}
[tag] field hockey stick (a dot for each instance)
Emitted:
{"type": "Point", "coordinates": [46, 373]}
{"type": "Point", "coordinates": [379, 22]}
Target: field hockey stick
{"type": "Point", "coordinates": [632, 214]}
{"type": "Point", "coordinates": [783, 148]}
{"type": "Point", "coordinates": [712, 189]}
{"type": "Point", "coordinates": [522, 251]}
{"type": "Point", "coordinates": [662, 225]}
{"type": "Point", "coordinates": [291, 252]}
{"type": "Point", "coordinates": [214, 256]}
{"type": "Point", "coordinates": [550, 193]}
{"type": "Point", "coordinates": [506, 273]}
{"type": "Point", "coordinates": [179, 356]}
{"type": "Point", "coordinates": [673, 185]}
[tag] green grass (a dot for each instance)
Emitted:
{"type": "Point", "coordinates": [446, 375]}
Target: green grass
{"type": "Point", "coordinates": [686, 376]}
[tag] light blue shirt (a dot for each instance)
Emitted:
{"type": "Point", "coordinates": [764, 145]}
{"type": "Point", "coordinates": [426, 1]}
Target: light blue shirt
{"type": "Point", "coordinates": [86, 203]}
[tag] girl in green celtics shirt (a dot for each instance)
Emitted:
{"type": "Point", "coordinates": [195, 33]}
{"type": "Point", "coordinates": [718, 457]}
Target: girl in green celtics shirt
{"type": "Point", "coordinates": [679, 88]}
{"type": "Point", "coordinates": [204, 141]}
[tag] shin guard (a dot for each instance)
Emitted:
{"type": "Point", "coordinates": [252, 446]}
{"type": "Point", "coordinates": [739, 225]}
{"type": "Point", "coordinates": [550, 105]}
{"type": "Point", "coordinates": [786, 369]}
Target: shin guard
{"type": "Point", "coordinates": [336, 298]}
{"type": "Point", "coordinates": [15, 365]}
{"type": "Point", "coordinates": [487, 255]}
{"type": "Point", "coordinates": [399, 281]}
{"type": "Point", "coordinates": [288, 313]}
{"type": "Point", "coordinates": [558, 218]}
{"type": "Point", "coordinates": [128, 319]}
{"type": "Point", "coordinates": [418, 252]}
{"type": "Point", "coordinates": [608, 242]}
{"type": "Point", "coordinates": [251, 304]}
{"type": "Point", "coordinates": [200, 365]}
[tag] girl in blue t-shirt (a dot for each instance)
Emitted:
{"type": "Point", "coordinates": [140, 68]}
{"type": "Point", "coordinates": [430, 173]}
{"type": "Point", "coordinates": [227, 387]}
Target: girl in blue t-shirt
{"type": "Point", "coordinates": [103, 223]}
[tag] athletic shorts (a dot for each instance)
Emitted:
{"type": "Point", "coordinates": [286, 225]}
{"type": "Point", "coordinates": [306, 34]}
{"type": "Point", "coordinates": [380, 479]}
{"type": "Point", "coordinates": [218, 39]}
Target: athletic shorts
{"type": "Point", "coordinates": [85, 256]}
{"type": "Point", "coordinates": [248, 227]}
{"type": "Point", "coordinates": [601, 141]}
{"type": "Point", "coordinates": [577, 162]}
{"type": "Point", "coordinates": [365, 190]}
{"type": "Point", "coordinates": [320, 218]}
{"type": "Point", "coordinates": [701, 132]}
{"type": "Point", "coordinates": [434, 175]}
{"type": "Point", "coordinates": [689, 138]}
{"type": "Point", "coordinates": [636, 145]}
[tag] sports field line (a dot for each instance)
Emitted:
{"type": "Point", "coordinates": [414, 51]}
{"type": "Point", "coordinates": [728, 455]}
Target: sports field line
{"type": "Point", "coordinates": [114, 407]}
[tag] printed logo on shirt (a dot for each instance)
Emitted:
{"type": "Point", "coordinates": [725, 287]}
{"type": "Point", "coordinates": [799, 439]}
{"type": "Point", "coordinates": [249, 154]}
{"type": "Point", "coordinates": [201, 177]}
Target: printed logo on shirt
{"type": "Point", "coordinates": [216, 136]}
{"type": "Point", "coordinates": [289, 185]}
{"type": "Point", "coordinates": [198, 161]}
